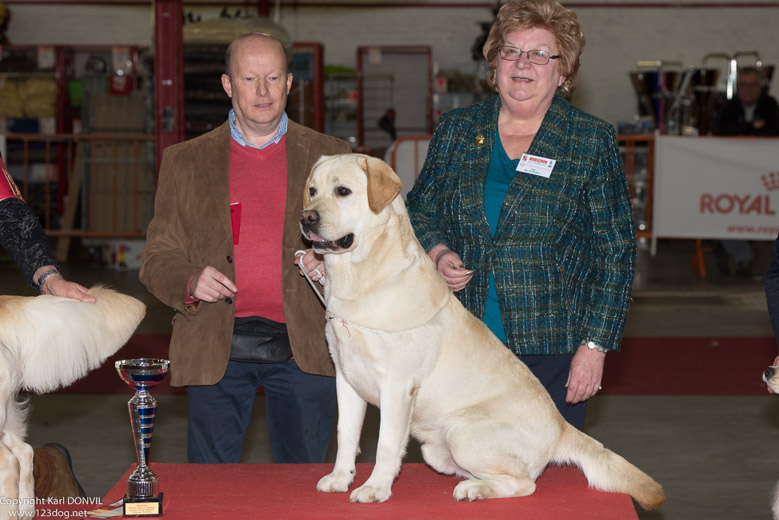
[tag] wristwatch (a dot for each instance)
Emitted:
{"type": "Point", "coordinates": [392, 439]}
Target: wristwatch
{"type": "Point", "coordinates": [44, 276]}
{"type": "Point", "coordinates": [593, 346]}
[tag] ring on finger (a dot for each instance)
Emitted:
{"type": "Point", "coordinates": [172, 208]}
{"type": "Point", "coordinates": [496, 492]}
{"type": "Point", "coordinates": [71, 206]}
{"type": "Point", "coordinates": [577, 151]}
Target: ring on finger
{"type": "Point", "coordinates": [318, 272]}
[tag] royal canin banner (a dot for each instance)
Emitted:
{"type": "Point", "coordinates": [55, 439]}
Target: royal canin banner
{"type": "Point", "coordinates": [716, 187]}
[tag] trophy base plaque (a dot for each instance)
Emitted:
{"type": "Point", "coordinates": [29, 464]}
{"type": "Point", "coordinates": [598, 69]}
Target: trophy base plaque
{"type": "Point", "coordinates": [140, 507]}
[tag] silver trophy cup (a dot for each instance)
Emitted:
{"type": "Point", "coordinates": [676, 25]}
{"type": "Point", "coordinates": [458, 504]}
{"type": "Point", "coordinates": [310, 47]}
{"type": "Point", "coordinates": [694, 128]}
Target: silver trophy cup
{"type": "Point", "coordinates": [143, 497]}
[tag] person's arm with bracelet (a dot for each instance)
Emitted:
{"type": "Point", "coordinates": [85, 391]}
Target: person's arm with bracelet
{"type": "Point", "coordinates": [22, 236]}
{"type": "Point", "coordinates": [424, 205]}
{"type": "Point", "coordinates": [614, 248]}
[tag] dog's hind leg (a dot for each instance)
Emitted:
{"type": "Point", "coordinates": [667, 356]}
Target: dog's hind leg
{"type": "Point", "coordinates": [9, 483]}
{"type": "Point", "coordinates": [493, 486]}
{"type": "Point", "coordinates": [23, 453]}
{"type": "Point", "coordinates": [16, 480]}
{"type": "Point", "coordinates": [493, 468]}
{"type": "Point", "coordinates": [438, 457]}
{"type": "Point", "coordinates": [351, 414]}
{"type": "Point", "coordinates": [396, 409]}
{"type": "Point", "coordinates": [494, 475]}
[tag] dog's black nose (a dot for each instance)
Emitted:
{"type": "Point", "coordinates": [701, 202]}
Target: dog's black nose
{"type": "Point", "coordinates": [769, 372]}
{"type": "Point", "coordinates": [309, 217]}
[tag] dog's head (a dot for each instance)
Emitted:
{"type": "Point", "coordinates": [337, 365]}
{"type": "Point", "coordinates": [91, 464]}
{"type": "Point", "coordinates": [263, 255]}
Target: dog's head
{"type": "Point", "coordinates": [771, 377]}
{"type": "Point", "coordinates": [345, 196]}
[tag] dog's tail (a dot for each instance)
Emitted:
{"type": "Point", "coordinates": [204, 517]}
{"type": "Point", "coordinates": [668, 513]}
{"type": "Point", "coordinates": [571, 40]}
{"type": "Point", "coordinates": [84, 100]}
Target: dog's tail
{"type": "Point", "coordinates": [58, 340]}
{"type": "Point", "coordinates": [605, 470]}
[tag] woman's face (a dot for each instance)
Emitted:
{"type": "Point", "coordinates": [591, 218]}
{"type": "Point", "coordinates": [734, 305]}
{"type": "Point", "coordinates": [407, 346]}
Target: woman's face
{"type": "Point", "coordinates": [525, 82]}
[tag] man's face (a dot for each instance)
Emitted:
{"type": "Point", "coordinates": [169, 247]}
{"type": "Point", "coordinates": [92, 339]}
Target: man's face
{"type": "Point", "coordinates": [258, 84]}
{"type": "Point", "coordinates": [748, 89]}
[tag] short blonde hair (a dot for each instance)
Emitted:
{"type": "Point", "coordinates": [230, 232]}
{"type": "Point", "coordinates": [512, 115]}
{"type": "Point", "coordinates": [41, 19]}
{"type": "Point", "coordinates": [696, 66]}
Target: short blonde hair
{"type": "Point", "coordinates": [539, 14]}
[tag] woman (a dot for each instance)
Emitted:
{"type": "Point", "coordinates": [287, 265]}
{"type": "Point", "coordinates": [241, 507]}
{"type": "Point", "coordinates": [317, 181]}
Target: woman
{"type": "Point", "coordinates": [22, 236]}
{"type": "Point", "coordinates": [530, 194]}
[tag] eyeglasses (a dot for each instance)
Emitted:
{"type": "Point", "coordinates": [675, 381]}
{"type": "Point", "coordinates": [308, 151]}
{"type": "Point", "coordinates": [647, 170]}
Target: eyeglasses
{"type": "Point", "coordinates": [535, 57]}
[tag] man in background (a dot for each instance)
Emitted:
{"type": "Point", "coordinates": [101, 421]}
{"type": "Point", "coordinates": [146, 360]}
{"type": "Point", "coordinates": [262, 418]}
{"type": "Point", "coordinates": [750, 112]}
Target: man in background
{"type": "Point", "coordinates": [752, 112]}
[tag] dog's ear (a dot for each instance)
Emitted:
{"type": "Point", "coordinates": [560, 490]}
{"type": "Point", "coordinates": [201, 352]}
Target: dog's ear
{"type": "Point", "coordinates": [383, 183]}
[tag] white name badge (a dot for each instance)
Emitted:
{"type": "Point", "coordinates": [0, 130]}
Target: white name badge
{"type": "Point", "coordinates": [536, 165]}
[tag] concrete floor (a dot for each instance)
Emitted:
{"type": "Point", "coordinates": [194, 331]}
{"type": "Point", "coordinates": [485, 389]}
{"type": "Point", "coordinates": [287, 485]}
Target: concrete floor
{"type": "Point", "coordinates": [714, 455]}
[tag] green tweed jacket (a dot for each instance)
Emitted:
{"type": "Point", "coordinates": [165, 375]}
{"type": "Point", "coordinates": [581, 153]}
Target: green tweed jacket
{"type": "Point", "coordinates": [564, 250]}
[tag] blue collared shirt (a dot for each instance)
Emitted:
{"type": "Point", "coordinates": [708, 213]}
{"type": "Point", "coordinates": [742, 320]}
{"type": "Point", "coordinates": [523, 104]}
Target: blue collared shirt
{"type": "Point", "coordinates": [240, 139]}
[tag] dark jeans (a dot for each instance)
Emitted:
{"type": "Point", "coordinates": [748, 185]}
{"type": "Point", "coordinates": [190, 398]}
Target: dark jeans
{"type": "Point", "coordinates": [299, 411]}
{"type": "Point", "coordinates": [552, 371]}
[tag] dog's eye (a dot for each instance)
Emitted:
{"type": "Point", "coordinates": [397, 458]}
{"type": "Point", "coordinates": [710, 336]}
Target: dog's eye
{"type": "Point", "coordinates": [311, 191]}
{"type": "Point", "coordinates": [342, 191]}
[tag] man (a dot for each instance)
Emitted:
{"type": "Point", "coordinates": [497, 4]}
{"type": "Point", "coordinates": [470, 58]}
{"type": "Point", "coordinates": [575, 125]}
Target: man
{"type": "Point", "coordinates": [221, 248]}
{"type": "Point", "coordinates": [751, 112]}
{"type": "Point", "coordinates": [22, 236]}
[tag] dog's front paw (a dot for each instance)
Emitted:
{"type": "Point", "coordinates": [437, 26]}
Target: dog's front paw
{"type": "Point", "coordinates": [335, 482]}
{"type": "Point", "coordinates": [368, 493]}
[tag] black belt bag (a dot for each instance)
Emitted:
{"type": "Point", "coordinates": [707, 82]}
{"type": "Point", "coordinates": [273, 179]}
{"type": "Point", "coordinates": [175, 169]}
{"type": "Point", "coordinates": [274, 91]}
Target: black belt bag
{"type": "Point", "coordinates": [260, 340]}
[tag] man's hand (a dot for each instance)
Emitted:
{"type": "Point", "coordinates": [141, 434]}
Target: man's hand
{"type": "Point", "coordinates": [209, 285]}
{"type": "Point", "coordinates": [774, 364]}
{"type": "Point", "coordinates": [313, 264]}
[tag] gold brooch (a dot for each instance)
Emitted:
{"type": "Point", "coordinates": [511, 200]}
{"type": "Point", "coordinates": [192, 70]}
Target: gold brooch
{"type": "Point", "coordinates": [479, 139]}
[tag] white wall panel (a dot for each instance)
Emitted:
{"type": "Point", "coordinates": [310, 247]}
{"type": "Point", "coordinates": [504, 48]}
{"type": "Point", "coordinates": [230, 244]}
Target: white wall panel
{"type": "Point", "coordinates": [617, 37]}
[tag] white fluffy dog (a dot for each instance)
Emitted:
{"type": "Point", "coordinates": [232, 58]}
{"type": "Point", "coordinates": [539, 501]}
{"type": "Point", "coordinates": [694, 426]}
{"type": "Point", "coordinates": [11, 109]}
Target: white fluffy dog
{"type": "Point", "coordinates": [47, 342]}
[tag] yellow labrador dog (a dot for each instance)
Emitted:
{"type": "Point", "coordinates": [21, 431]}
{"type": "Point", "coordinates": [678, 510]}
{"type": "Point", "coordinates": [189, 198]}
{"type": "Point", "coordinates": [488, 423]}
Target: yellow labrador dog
{"type": "Point", "coordinates": [402, 341]}
{"type": "Point", "coordinates": [47, 342]}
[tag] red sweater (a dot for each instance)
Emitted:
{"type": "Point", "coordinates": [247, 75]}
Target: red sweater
{"type": "Point", "coordinates": [258, 183]}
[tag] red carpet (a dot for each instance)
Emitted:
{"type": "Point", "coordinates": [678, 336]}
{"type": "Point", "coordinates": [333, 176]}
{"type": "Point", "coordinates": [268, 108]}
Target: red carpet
{"type": "Point", "coordinates": [691, 366]}
{"type": "Point", "coordinates": [288, 491]}
{"type": "Point", "coordinates": [645, 366]}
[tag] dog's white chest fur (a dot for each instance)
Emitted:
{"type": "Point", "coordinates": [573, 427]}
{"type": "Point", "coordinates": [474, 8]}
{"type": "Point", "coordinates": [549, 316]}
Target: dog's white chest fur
{"type": "Point", "coordinates": [370, 360]}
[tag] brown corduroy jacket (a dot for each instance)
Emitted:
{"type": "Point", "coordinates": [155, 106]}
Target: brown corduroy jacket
{"type": "Point", "coordinates": [191, 229]}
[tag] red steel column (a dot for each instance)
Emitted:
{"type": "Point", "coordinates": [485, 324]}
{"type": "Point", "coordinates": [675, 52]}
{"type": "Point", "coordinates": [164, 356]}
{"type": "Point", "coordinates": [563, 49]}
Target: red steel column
{"type": "Point", "coordinates": [263, 8]}
{"type": "Point", "coordinates": [168, 74]}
